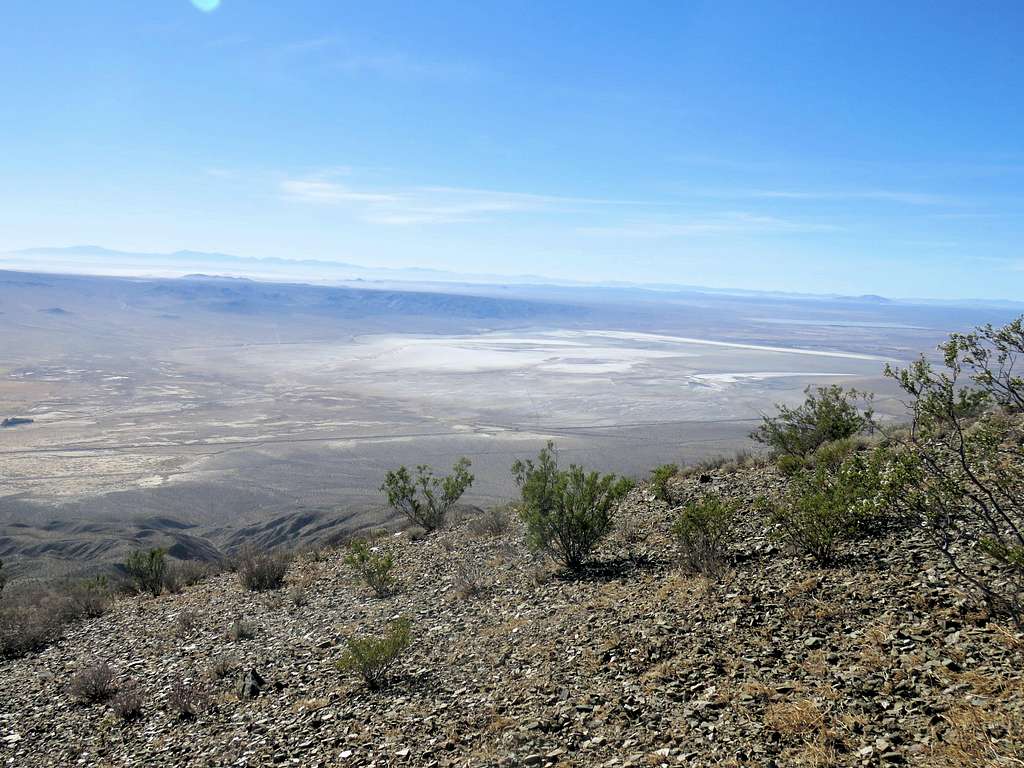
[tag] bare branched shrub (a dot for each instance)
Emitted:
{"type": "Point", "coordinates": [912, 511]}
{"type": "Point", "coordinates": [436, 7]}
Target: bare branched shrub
{"type": "Point", "coordinates": [373, 569]}
{"type": "Point", "coordinates": [260, 571]}
{"type": "Point", "coordinates": [30, 619]}
{"type": "Point", "coordinates": [241, 629]}
{"type": "Point", "coordinates": [185, 622]}
{"type": "Point", "coordinates": [471, 577]}
{"type": "Point", "coordinates": [187, 573]}
{"type": "Point", "coordinates": [297, 597]}
{"type": "Point", "coordinates": [127, 703]}
{"type": "Point", "coordinates": [88, 598]}
{"type": "Point", "coordinates": [187, 700]}
{"type": "Point", "coordinates": [223, 666]}
{"type": "Point", "coordinates": [93, 685]}
{"type": "Point", "coordinates": [426, 500]}
{"type": "Point", "coordinates": [493, 522]}
{"type": "Point", "coordinates": [374, 657]}
{"type": "Point", "coordinates": [705, 531]}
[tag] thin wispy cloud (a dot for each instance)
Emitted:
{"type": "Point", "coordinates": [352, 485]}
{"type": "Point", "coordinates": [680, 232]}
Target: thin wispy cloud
{"type": "Point", "coordinates": [725, 223]}
{"type": "Point", "coordinates": [338, 54]}
{"type": "Point", "coordinates": [441, 204]}
{"type": "Point", "coordinates": [316, 191]}
{"type": "Point", "coordinates": [877, 195]}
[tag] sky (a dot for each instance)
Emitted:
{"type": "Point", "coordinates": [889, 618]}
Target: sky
{"type": "Point", "coordinates": [868, 147]}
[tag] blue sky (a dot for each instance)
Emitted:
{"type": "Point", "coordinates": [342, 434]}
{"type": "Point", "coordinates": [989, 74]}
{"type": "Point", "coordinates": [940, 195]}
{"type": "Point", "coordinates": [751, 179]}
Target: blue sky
{"type": "Point", "coordinates": [829, 147]}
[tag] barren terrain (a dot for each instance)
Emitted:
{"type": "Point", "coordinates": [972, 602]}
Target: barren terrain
{"type": "Point", "coordinates": [197, 413]}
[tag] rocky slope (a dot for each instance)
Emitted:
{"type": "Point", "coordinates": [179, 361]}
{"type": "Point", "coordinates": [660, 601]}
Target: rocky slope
{"type": "Point", "coordinates": [877, 661]}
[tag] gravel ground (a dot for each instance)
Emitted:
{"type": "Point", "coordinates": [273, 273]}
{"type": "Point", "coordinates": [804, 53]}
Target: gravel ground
{"type": "Point", "coordinates": [878, 660]}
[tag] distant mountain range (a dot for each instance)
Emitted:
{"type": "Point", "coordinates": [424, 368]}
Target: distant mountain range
{"type": "Point", "coordinates": [96, 260]}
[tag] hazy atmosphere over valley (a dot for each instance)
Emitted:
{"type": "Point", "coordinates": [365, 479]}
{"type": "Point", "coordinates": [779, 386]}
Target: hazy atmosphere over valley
{"type": "Point", "coordinates": [202, 412]}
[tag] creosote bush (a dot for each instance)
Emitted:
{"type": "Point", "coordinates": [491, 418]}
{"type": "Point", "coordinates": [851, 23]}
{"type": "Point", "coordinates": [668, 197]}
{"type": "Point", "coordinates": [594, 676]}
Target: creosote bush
{"type": "Point", "coordinates": [837, 501]}
{"type": "Point", "coordinates": [373, 657]}
{"type": "Point", "coordinates": [373, 569]}
{"type": "Point", "coordinates": [426, 500]}
{"type": "Point", "coordinates": [148, 570]}
{"type": "Point", "coordinates": [705, 531]}
{"type": "Point", "coordinates": [827, 414]}
{"type": "Point", "coordinates": [93, 685]}
{"type": "Point", "coordinates": [567, 512]}
{"type": "Point", "coordinates": [961, 473]}
{"type": "Point", "coordinates": [260, 571]}
{"type": "Point", "coordinates": [659, 480]}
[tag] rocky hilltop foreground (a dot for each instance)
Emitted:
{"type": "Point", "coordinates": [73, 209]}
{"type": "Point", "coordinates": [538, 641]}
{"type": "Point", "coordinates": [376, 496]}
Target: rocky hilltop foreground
{"type": "Point", "coordinates": [877, 660]}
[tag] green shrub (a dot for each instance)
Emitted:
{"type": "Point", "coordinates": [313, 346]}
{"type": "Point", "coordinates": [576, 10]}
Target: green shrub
{"type": "Point", "coordinates": [705, 531]}
{"type": "Point", "coordinates": [831, 504]}
{"type": "Point", "coordinates": [374, 570]}
{"type": "Point", "coordinates": [827, 414]}
{"type": "Point", "coordinates": [373, 657]}
{"type": "Point", "coordinates": [659, 480]}
{"type": "Point", "coordinates": [260, 571]}
{"type": "Point", "coordinates": [961, 473]}
{"type": "Point", "coordinates": [426, 500]}
{"type": "Point", "coordinates": [567, 512]}
{"type": "Point", "coordinates": [147, 570]}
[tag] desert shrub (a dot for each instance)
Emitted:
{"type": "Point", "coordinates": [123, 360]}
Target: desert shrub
{"type": "Point", "coordinates": [187, 700]}
{"type": "Point", "coordinates": [127, 703]}
{"type": "Point", "coordinates": [659, 480]}
{"type": "Point", "coordinates": [373, 657]}
{"type": "Point", "coordinates": [705, 530]}
{"type": "Point", "coordinates": [185, 622]}
{"type": "Point", "coordinates": [567, 512]}
{"type": "Point", "coordinates": [426, 500]}
{"type": "Point", "coordinates": [30, 619]}
{"type": "Point", "coordinates": [260, 571]}
{"type": "Point", "coordinates": [493, 522]}
{"type": "Point", "coordinates": [88, 598]}
{"type": "Point", "coordinates": [186, 573]}
{"type": "Point", "coordinates": [832, 504]}
{"type": "Point", "coordinates": [147, 570]}
{"type": "Point", "coordinates": [961, 473]}
{"type": "Point", "coordinates": [223, 666]}
{"type": "Point", "coordinates": [93, 685]}
{"type": "Point", "coordinates": [827, 413]}
{"type": "Point", "coordinates": [240, 629]}
{"type": "Point", "coordinates": [471, 577]}
{"type": "Point", "coordinates": [372, 569]}
{"type": "Point", "coordinates": [297, 597]}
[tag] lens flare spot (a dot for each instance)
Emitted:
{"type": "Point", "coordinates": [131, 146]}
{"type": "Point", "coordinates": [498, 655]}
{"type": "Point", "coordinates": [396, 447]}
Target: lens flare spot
{"type": "Point", "coordinates": [206, 6]}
